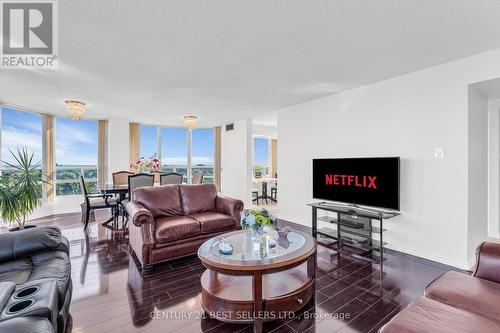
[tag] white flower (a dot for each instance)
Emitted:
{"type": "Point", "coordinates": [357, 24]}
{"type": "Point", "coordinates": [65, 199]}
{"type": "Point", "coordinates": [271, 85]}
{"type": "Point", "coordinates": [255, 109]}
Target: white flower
{"type": "Point", "coordinates": [250, 219]}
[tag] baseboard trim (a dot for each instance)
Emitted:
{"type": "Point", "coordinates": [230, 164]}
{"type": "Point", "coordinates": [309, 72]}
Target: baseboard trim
{"type": "Point", "coordinates": [428, 256]}
{"type": "Point", "coordinates": [417, 253]}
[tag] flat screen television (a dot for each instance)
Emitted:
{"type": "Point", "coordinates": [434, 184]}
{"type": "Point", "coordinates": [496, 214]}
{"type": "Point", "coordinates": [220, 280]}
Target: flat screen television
{"type": "Point", "coordinates": [370, 181]}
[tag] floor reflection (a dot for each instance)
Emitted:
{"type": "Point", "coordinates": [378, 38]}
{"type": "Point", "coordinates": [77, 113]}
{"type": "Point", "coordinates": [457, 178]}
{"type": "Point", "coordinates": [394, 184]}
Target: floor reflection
{"type": "Point", "coordinates": [110, 294]}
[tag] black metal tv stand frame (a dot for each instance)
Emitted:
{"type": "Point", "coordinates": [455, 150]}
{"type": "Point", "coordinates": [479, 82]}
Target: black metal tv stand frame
{"type": "Point", "coordinates": [353, 226]}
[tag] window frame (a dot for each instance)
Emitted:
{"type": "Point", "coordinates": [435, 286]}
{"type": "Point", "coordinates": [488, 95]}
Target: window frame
{"type": "Point", "coordinates": [54, 116]}
{"type": "Point", "coordinates": [189, 151]}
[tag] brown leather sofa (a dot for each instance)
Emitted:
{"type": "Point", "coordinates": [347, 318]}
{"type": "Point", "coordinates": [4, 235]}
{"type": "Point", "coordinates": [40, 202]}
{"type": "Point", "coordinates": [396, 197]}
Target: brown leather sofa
{"type": "Point", "coordinates": [172, 221]}
{"type": "Point", "coordinates": [457, 302]}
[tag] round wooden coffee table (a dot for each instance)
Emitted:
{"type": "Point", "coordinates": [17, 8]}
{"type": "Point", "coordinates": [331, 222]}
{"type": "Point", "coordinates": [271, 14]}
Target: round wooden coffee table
{"type": "Point", "coordinates": [258, 281]}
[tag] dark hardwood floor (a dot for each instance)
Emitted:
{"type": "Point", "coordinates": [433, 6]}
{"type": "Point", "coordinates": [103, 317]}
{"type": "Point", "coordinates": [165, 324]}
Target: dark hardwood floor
{"type": "Point", "coordinates": [110, 295]}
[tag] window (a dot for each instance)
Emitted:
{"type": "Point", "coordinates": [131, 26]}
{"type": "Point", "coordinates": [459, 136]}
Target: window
{"type": "Point", "coordinates": [202, 159]}
{"type": "Point", "coordinates": [19, 130]}
{"type": "Point", "coordinates": [149, 143]}
{"type": "Point", "coordinates": [173, 153]}
{"type": "Point", "coordinates": [261, 155]}
{"type": "Point", "coordinates": [76, 154]}
{"type": "Point", "coordinates": [174, 150]}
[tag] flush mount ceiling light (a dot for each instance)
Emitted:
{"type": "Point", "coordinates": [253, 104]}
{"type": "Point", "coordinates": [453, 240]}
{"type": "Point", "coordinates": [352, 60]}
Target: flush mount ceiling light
{"type": "Point", "coordinates": [75, 108]}
{"type": "Point", "coordinates": [190, 121]}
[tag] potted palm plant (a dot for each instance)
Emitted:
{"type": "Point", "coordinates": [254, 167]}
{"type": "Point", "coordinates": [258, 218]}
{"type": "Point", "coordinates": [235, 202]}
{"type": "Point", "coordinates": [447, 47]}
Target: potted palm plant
{"type": "Point", "coordinates": [21, 189]}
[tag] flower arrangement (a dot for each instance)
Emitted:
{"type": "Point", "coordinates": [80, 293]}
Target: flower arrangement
{"type": "Point", "coordinates": [149, 164]}
{"type": "Point", "coordinates": [257, 170]}
{"type": "Point", "coordinates": [256, 219]}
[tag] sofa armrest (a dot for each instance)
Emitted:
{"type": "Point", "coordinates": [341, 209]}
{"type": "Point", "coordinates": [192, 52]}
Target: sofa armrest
{"type": "Point", "coordinates": [229, 206]}
{"type": "Point", "coordinates": [488, 262]}
{"type": "Point", "coordinates": [6, 290]}
{"type": "Point", "coordinates": [139, 214]}
{"type": "Point", "coordinates": [22, 243]}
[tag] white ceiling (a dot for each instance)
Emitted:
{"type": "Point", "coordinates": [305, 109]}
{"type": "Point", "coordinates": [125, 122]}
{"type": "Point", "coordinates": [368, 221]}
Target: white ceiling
{"type": "Point", "coordinates": [155, 61]}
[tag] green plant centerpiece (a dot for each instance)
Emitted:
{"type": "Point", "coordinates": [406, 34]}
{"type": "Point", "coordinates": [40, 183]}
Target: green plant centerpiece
{"type": "Point", "coordinates": [257, 171]}
{"type": "Point", "coordinates": [257, 219]}
{"type": "Point", "coordinates": [21, 188]}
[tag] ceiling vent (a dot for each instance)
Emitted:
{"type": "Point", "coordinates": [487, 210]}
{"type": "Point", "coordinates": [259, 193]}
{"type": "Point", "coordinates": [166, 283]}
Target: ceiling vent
{"type": "Point", "coordinates": [229, 127]}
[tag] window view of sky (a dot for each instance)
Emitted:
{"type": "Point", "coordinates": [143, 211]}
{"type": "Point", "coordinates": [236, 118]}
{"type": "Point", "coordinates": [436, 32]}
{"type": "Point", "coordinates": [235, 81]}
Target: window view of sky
{"type": "Point", "coordinates": [148, 141]}
{"type": "Point", "coordinates": [174, 145]}
{"type": "Point", "coordinates": [21, 129]}
{"type": "Point", "coordinates": [76, 142]}
{"type": "Point", "coordinates": [203, 147]}
{"type": "Point", "coordinates": [261, 152]}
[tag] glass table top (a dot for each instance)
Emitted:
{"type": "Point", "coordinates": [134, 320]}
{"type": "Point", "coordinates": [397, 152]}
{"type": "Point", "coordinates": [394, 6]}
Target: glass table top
{"type": "Point", "coordinates": [248, 246]}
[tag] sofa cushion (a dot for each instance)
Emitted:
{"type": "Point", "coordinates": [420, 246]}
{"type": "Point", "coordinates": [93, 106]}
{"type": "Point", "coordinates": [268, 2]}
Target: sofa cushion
{"type": "Point", "coordinates": [468, 293]}
{"type": "Point", "coordinates": [53, 265]}
{"type": "Point", "coordinates": [161, 201]}
{"type": "Point", "coordinates": [169, 229]}
{"type": "Point", "coordinates": [198, 198]}
{"type": "Point", "coordinates": [22, 243]}
{"type": "Point", "coordinates": [17, 271]}
{"type": "Point", "coordinates": [213, 222]}
{"type": "Point", "coordinates": [427, 315]}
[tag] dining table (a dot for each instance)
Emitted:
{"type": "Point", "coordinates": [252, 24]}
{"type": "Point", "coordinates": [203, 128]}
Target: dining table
{"type": "Point", "coordinates": [264, 181]}
{"type": "Point", "coordinates": [120, 190]}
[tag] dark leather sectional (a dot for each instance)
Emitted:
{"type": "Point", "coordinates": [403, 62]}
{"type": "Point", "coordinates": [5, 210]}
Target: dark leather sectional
{"type": "Point", "coordinates": [457, 302]}
{"type": "Point", "coordinates": [35, 281]}
{"type": "Point", "coordinates": [172, 221]}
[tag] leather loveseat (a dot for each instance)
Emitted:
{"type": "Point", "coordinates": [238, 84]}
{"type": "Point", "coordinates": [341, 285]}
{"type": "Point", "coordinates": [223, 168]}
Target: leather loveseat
{"type": "Point", "coordinates": [35, 281]}
{"type": "Point", "coordinates": [172, 221]}
{"type": "Point", "coordinates": [457, 302]}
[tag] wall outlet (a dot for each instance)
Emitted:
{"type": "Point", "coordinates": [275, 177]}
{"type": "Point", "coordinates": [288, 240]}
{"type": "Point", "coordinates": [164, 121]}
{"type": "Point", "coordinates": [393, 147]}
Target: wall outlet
{"type": "Point", "coordinates": [439, 152]}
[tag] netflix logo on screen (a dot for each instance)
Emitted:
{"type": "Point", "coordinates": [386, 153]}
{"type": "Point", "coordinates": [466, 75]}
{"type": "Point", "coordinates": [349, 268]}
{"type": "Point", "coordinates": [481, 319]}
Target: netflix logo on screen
{"type": "Point", "coordinates": [351, 180]}
{"type": "Point", "coordinates": [363, 181]}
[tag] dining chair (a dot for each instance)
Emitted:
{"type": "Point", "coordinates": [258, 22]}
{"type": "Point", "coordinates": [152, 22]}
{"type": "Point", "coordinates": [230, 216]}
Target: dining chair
{"type": "Point", "coordinates": [197, 178]}
{"type": "Point", "coordinates": [139, 180]}
{"type": "Point", "coordinates": [255, 195]}
{"type": "Point", "coordinates": [157, 175]}
{"type": "Point", "coordinates": [274, 189]}
{"type": "Point", "coordinates": [121, 177]}
{"type": "Point", "coordinates": [95, 201]}
{"type": "Point", "coordinates": [171, 178]}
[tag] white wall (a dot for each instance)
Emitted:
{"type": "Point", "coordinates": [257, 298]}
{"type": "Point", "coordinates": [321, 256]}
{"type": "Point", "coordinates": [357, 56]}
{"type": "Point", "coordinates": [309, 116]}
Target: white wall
{"type": "Point", "coordinates": [118, 145]}
{"type": "Point", "coordinates": [264, 131]}
{"type": "Point", "coordinates": [406, 116]}
{"type": "Point", "coordinates": [494, 168]}
{"type": "Point", "coordinates": [236, 161]}
{"type": "Point", "coordinates": [477, 209]}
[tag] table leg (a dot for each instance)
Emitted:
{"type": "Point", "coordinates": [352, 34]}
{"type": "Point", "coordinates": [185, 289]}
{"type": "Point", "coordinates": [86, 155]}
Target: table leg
{"type": "Point", "coordinates": [264, 191]}
{"type": "Point", "coordinates": [264, 195]}
{"type": "Point", "coordinates": [257, 300]}
{"type": "Point", "coordinates": [311, 272]}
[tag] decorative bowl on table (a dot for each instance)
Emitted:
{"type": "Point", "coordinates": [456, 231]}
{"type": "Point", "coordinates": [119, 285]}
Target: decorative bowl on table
{"type": "Point", "coordinates": [224, 247]}
{"type": "Point", "coordinates": [283, 231]}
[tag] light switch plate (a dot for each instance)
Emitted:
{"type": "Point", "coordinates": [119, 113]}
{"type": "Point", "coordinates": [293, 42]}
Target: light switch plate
{"type": "Point", "coordinates": [439, 152]}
